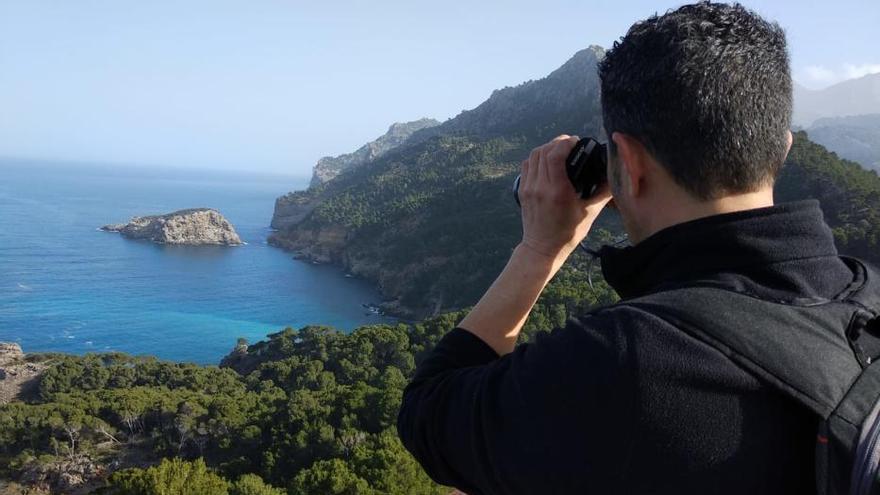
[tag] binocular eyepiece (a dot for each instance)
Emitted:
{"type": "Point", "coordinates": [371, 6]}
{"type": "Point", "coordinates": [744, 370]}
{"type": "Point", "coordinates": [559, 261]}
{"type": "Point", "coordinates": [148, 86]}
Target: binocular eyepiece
{"type": "Point", "coordinates": [586, 167]}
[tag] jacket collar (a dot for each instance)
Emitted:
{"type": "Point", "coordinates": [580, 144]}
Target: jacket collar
{"type": "Point", "coordinates": [719, 243]}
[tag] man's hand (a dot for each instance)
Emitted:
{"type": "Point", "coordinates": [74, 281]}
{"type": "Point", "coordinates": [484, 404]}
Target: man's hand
{"type": "Point", "coordinates": [555, 218]}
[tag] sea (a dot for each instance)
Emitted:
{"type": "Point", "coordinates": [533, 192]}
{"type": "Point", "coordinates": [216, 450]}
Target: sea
{"type": "Point", "coordinates": [66, 286]}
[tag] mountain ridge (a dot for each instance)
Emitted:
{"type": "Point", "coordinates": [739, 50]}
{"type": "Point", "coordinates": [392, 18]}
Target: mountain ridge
{"type": "Point", "coordinates": [851, 97]}
{"type": "Point", "coordinates": [855, 137]}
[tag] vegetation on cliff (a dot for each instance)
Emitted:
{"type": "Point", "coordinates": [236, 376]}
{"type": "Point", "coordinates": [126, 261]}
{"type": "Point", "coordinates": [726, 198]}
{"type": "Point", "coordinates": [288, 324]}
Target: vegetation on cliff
{"type": "Point", "coordinates": [330, 166]}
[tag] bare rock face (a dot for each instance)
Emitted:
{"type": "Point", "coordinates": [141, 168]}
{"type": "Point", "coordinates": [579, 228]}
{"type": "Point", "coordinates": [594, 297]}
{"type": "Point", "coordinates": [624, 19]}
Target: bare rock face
{"type": "Point", "coordinates": [62, 475]}
{"type": "Point", "coordinates": [238, 359]}
{"type": "Point", "coordinates": [10, 352]}
{"type": "Point", "coordinates": [193, 227]}
{"type": "Point", "coordinates": [18, 377]}
{"type": "Point", "coordinates": [291, 209]}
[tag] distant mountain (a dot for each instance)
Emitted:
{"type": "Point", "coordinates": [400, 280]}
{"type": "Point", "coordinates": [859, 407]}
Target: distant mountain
{"type": "Point", "coordinates": [855, 138]}
{"type": "Point", "coordinates": [853, 97]}
{"type": "Point", "coordinates": [432, 222]}
{"type": "Point", "coordinates": [331, 166]}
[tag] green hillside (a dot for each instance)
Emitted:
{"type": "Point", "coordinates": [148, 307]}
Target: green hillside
{"type": "Point", "coordinates": [848, 193]}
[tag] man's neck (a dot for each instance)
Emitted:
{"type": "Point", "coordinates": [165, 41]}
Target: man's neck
{"type": "Point", "coordinates": [692, 209]}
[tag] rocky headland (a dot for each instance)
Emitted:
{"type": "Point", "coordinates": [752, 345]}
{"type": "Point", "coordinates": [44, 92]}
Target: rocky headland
{"type": "Point", "coordinates": [192, 227]}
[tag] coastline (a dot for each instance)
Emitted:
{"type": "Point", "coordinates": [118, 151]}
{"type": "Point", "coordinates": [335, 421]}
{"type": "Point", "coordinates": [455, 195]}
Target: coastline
{"type": "Point", "coordinates": [389, 306]}
{"type": "Point", "coordinates": [72, 289]}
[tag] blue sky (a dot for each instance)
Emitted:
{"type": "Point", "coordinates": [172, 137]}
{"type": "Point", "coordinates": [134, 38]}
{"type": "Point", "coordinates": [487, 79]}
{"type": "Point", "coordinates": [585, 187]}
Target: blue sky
{"type": "Point", "coordinates": [274, 85]}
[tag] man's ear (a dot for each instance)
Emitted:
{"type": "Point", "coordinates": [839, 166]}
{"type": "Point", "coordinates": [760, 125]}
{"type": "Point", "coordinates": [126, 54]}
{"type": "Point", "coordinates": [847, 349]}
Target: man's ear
{"type": "Point", "coordinates": [790, 139]}
{"type": "Point", "coordinates": [632, 160]}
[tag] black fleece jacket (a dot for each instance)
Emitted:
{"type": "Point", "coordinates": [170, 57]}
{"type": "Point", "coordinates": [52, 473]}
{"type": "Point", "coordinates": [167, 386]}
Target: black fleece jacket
{"type": "Point", "coordinates": [619, 401]}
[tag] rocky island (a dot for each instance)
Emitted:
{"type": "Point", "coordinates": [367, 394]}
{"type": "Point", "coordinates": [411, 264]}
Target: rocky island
{"type": "Point", "coordinates": [192, 227]}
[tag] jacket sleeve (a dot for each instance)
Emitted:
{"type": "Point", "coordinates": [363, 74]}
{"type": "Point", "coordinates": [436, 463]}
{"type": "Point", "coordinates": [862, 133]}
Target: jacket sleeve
{"type": "Point", "coordinates": [551, 416]}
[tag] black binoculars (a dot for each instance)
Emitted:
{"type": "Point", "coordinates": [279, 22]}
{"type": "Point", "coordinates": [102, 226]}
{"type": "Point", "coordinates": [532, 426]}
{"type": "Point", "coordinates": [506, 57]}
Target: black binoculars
{"type": "Point", "coordinates": [586, 167]}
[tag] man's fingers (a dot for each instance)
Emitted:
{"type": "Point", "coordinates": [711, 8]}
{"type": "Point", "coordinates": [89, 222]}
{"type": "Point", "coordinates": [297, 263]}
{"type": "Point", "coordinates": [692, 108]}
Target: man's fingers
{"type": "Point", "coordinates": [527, 183]}
{"type": "Point", "coordinates": [554, 154]}
{"type": "Point", "coordinates": [545, 167]}
{"type": "Point", "coordinates": [523, 178]}
{"type": "Point", "coordinates": [561, 149]}
{"type": "Point", "coordinates": [543, 173]}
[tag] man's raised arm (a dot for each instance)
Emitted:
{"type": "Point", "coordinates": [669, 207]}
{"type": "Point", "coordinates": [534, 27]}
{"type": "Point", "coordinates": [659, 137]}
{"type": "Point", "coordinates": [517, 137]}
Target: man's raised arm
{"type": "Point", "coordinates": [479, 414]}
{"type": "Point", "coordinates": [555, 220]}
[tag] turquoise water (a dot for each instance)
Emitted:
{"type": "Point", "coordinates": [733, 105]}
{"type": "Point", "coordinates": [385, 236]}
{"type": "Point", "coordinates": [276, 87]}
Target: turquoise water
{"type": "Point", "coordinates": [65, 286]}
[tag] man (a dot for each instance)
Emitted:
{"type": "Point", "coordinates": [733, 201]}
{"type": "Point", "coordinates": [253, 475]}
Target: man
{"type": "Point", "coordinates": [697, 106]}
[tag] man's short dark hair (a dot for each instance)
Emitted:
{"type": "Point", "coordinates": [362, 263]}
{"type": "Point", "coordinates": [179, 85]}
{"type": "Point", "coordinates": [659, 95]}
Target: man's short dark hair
{"type": "Point", "coordinates": [707, 90]}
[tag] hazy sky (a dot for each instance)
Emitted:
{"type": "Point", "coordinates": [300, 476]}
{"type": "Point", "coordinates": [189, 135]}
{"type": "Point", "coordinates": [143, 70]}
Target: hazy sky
{"type": "Point", "coordinates": [274, 85]}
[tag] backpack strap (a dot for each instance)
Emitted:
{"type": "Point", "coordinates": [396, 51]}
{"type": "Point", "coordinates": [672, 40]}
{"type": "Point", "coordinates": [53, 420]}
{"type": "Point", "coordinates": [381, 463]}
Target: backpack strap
{"type": "Point", "coordinates": [825, 354]}
{"type": "Point", "coordinates": [864, 332]}
{"type": "Point", "coordinates": [801, 348]}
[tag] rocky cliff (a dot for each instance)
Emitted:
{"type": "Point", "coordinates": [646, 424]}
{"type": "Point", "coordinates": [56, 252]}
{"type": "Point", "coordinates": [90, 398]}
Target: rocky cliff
{"type": "Point", "coordinates": [194, 227]}
{"type": "Point", "coordinates": [293, 207]}
{"type": "Point", "coordinates": [330, 166]}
